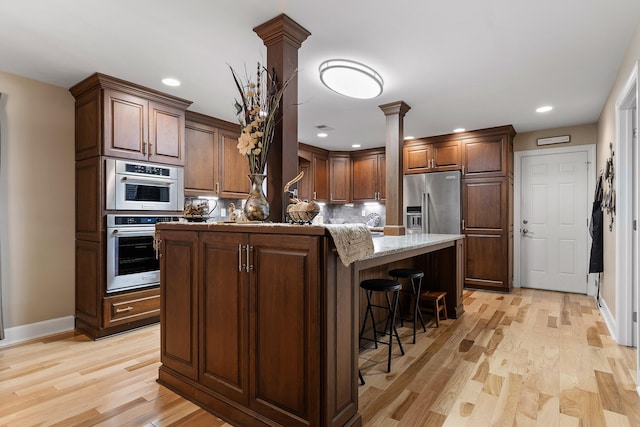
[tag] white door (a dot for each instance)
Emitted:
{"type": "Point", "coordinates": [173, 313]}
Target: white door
{"type": "Point", "coordinates": [635, 249]}
{"type": "Point", "coordinates": [554, 222]}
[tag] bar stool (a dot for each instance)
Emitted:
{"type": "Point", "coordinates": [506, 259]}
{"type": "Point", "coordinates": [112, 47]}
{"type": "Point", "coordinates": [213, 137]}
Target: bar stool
{"type": "Point", "coordinates": [415, 277]}
{"type": "Point", "coordinates": [436, 302]}
{"type": "Point", "coordinates": [382, 285]}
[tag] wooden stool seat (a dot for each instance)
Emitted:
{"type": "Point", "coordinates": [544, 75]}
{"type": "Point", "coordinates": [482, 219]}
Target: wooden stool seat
{"type": "Point", "coordinates": [435, 302]}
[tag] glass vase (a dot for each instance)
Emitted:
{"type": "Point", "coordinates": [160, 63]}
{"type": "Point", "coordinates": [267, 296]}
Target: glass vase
{"type": "Point", "coordinates": [256, 208]}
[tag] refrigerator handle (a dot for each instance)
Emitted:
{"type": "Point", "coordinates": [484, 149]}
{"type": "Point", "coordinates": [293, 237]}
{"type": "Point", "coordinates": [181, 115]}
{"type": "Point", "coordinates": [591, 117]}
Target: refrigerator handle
{"type": "Point", "coordinates": [425, 213]}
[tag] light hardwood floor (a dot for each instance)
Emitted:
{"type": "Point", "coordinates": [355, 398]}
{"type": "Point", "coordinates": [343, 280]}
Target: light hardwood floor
{"type": "Point", "coordinates": [529, 358]}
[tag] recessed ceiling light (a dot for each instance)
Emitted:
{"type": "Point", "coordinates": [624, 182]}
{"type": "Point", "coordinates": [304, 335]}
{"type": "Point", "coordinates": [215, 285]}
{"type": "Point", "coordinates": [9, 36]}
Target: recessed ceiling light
{"type": "Point", "coordinates": [356, 145]}
{"type": "Point", "coordinates": [458, 130]}
{"type": "Point", "coordinates": [350, 78]}
{"type": "Point", "coordinates": [409, 137]}
{"type": "Point", "coordinates": [323, 135]}
{"type": "Point", "coordinates": [544, 109]}
{"type": "Point", "coordinates": [171, 82]}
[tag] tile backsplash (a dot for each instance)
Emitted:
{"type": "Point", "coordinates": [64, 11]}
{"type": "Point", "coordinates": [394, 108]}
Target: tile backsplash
{"type": "Point", "coordinates": [349, 213]}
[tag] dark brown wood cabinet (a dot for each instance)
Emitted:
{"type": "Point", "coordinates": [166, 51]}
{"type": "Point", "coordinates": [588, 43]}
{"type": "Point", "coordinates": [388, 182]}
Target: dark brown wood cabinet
{"type": "Point", "coordinates": [485, 203]}
{"type": "Point", "coordinates": [368, 176]}
{"type": "Point", "coordinates": [213, 165]}
{"type": "Point", "coordinates": [488, 153]}
{"type": "Point", "coordinates": [232, 302]}
{"type": "Point", "coordinates": [115, 118]}
{"type": "Point", "coordinates": [422, 156]}
{"type": "Point", "coordinates": [314, 185]}
{"type": "Point", "coordinates": [120, 119]}
{"type": "Point", "coordinates": [339, 178]}
{"type": "Point", "coordinates": [487, 208]}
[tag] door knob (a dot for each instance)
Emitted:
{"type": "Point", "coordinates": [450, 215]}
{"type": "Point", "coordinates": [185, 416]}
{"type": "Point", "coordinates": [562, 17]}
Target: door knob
{"type": "Point", "coordinates": [524, 221]}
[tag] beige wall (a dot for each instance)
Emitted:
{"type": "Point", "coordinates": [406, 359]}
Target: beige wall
{"type": "Point", "coordinates": [607, 134]}
{"type": "Point", "coordinates": [580, 135]}
{"type": "Point", "coordinates": [37, 196]}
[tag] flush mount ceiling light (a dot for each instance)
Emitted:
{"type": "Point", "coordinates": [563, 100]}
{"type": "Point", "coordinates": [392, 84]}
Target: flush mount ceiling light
{"type": "Point", "coordinates": [350, 78]}
{"type": "Point", "coordinates": [408, 137]}
{"type": "Point", "coordinates": [458, 130]}
{"type": "Point", "coordinates": [171, 82]}
{"type": "Point", "coordinates": [544, 109]}
{"type": "Point", "coordinates": [323, 135]}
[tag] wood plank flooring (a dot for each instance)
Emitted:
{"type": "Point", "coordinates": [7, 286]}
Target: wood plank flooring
{"type": "Point", "coordinates": [529, 358]}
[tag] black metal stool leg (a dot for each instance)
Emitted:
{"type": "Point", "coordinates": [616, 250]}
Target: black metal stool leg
{"type": "Point", "coordinates": [369, 311]}
{"type": "Point", "coordinates": [392, 308]}
{"type": "Point", "coordinates": [361, 378]}
{"type": "Point", "coordinates": [416, 309]}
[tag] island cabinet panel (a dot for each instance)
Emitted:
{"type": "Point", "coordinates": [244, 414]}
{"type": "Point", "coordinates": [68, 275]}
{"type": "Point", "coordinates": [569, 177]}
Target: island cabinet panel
{"type": "Point", "coordinates": [224, 336]}
{"type": "Point", "coordinates": [275, 342]}
{"type": "Point", "coordinates": [179, 302]}
{"type": "Point", "coordinates": [284, 310]}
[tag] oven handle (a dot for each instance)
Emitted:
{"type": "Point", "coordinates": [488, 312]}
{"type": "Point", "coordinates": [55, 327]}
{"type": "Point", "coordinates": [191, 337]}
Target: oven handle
{"type": "Point", "coordinates": [148, 180]}
{"type": "Point", "coordinates": [131, 233]}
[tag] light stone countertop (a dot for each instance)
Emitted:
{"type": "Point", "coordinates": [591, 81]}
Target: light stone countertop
{"type": "Point", "coordinates": [388, 245]}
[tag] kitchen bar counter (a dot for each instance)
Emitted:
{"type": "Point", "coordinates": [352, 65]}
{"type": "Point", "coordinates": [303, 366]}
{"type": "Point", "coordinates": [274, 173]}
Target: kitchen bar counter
{"type": "Point", "coordinates": [260, 322]}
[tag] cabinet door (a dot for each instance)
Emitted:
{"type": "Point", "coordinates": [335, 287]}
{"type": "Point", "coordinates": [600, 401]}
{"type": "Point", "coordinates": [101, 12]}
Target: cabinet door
{"type": "Point", "coordinates": [304, 185]}
{"type": "Point", "coordinates": [485, 156]}
{"type": "Point", "coordinates": [179, 302]}
{"type": "Point", "coordinates": [417, 158]}
{"type": "Point", "coordinates": [125, 127]}
{"type": "Point", "coordinates": [166, 134]}
{"type": "Point", "coordinates": [381, 177]}
{"type": "Point", "coordinates": [200, 159]}
{"type": "Point", "coordinates": [320, 170]}
{"type": "Point", "coordinates": [446, 156]}
{"type": "Point", "coordinates": [364, 176]}
{"type": "Point", "coordinates": [233, 167]}
{"type": "Point", "coordinates": [485, 214]}
{"type": "Point", "coordinates": [224, 358]}
{"type": "Point", "coordinates": [284, 303]}
{"type": "Point", "coordinates": [339, 179]}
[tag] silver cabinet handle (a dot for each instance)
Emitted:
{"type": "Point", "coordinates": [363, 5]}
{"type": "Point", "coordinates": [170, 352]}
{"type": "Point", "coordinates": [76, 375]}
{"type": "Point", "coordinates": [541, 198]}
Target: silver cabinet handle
{"type": "Point", "coordinates": [122, 310]}
{"type": "Point", "coordinates": [149, 148]}
{"type": "Point", "coordinates": [463, 225]}
{"type": "Point", "coordinates": [314, 195]}
{"type": "Point", "coordinates": [249, 265]}
{"type": "Point", "coordinates": [218, 187]}
{"type": "Point", "coordinates": [240, 264]}
{"type": "Point", "coordinates": [144, 148]}
{"type": "Point", "coordinates": [462, 169]}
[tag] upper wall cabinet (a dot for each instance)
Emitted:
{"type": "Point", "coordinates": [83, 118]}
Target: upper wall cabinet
{"type": "Point", "coordinates": [339, 178]}
{"type": "Point", "coordinates": [421, 156]}
{"type": "Point", "coordinates": [368, 175]}
{"type": "Point", "coordinates": [213, 166]}
{"type": "Point", "coordinates": [120, 119]}
{"type": "Point", "coordinates": [314, 162]}
{"type": "Point", "coordinates": [488, 152]}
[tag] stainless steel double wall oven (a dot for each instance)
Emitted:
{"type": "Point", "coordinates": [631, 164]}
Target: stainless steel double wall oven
{"type": "Point", "coordinates": [141, 194]}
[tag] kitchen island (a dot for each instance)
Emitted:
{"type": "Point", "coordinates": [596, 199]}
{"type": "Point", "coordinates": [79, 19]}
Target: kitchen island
{"type": "Point", "coordinates": [260, 322]}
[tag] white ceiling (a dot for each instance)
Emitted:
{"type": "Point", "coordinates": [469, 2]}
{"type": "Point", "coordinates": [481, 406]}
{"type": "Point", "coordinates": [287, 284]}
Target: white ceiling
{"type": "Point", "coordinates": [457, 63]}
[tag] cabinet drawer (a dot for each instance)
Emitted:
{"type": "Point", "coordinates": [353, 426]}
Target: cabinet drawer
{"type": "Point", "coordinates": [130, 307]}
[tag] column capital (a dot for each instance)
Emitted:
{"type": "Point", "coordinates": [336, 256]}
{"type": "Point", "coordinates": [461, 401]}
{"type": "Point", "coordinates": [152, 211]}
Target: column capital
{"type": "Point", "coordinates": [393, 108]}
{"type": "Point", "coordinates": [282, 28]}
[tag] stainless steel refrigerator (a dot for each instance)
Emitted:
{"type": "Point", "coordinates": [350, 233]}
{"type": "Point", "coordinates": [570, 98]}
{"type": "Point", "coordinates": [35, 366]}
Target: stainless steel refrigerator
{"type": "Point", "coordinates": [432, 203]}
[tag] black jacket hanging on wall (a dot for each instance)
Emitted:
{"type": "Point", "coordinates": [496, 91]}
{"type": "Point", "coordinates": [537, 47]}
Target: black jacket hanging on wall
{"type": "Point", "coordinates": [596, 261]}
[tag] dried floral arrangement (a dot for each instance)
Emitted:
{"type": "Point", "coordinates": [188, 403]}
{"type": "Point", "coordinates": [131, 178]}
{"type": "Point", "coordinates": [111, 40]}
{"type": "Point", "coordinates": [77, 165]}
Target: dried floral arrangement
{"type": "Point", "coordinates": [257, 113]}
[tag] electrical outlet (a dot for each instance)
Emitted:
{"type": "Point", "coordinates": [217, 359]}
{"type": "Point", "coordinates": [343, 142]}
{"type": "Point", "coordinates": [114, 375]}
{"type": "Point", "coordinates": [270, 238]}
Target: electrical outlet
{"type": "Point", "coordinates": [364, 213]}
{"type": "Point", "coordinates": [223, 212]}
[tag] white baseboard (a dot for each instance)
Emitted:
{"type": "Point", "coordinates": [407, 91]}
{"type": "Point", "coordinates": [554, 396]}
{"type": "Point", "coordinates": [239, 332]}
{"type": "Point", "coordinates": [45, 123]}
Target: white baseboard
{"type": "Point", "coordinates": [22, 333]}
{"type": "Point", "coordinates": [607, 317]}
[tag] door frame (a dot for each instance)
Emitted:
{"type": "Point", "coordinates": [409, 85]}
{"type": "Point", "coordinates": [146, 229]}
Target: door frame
{"type": "Point", "coordinates": [517, 214]}
{"type": "Point", "coordinates": [627, 99]}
